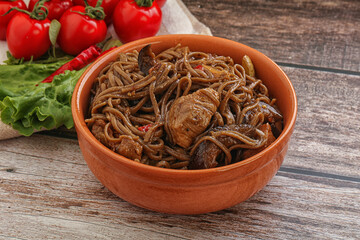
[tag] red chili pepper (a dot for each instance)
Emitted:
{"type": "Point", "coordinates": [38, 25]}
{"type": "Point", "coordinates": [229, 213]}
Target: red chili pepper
{"type": "Point", "coordinates": [84, 58]}
{"type": "Point", "coordinates": [145, 128]}
{"type": "Point", "coordinates": [200, 67]}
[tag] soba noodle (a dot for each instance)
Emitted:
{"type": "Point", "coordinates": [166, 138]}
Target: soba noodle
{"type": "Point", "coordinates": [127, 106]}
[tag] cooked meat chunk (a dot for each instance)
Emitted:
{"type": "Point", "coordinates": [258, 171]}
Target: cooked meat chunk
{"type": "Point", "coordinates": [98, 130]}
{"type": "Point", "coordinates": [265, 128]}
{"type": "Point", "coordinates": [129, 148]}
{"type": "Point", "coordinates": [207, 153]}
{"type": "Point", "coordinates": [190, 115]}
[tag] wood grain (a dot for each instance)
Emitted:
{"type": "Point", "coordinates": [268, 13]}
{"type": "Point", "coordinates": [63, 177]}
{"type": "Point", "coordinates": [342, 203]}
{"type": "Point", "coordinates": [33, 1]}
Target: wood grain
{"type": "Point", "coordinates": [313, 33]}
{"type": "Point", "coordinates": [51, 193]}
{"type": "Point", "coordinates": [326, 136]}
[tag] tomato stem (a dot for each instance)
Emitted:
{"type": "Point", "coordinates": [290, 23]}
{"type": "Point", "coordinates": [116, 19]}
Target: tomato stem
{"type": "Point", "coordinates": [39, 12]}
{"type": "Point", "coordinates": [96, 12]}
{"type": "Point", "coordinates": [144, 3]}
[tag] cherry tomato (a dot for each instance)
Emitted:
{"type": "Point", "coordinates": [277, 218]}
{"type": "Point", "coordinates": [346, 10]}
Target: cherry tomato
{"type": "Point", "coordinates": [4, 20]}
{"type": "Point", "coordinates": [78, 31]}
{"type": "Point", "coordinates": [108, 5]}
{"type": "Point", "coordinates": [161, 3]}
{"type": "Point", "coordinates": [28, 37]}
{"type": "Point", "coordinates": [132, 22]}
{"type": "Point", "coordinates": [55, 7]}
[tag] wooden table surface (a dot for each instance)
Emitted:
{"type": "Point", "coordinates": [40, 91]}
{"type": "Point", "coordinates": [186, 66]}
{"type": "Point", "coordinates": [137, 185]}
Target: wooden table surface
{"type": "Point", "coordinates": [48, 192]}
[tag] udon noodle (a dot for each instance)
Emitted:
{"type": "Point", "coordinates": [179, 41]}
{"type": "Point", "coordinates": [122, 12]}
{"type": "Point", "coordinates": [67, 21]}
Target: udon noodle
{"type": "Point", "coordinates": [145, 116]}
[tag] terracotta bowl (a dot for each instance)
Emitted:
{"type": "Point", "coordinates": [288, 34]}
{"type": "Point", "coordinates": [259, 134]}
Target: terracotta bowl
{"type": "Point", "coordinates": [187, 191]}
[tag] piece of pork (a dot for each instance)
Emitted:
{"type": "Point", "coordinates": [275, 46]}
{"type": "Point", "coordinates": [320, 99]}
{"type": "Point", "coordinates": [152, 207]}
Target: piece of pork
{"type": "Point", "coordinates": [129, 148]}
{"type": "Point", "coordinates": [190, 115]}
{"type": "Point", "coordinates": [97, 130]}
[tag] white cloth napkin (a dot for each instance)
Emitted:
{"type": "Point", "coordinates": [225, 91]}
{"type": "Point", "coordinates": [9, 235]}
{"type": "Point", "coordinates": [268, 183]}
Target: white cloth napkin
{"type": "Point", "coordinates": [177, 19]}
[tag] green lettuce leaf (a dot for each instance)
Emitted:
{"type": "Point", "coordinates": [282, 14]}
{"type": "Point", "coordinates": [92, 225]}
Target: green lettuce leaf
{"type": "Point", "coordinates": [27, 104]}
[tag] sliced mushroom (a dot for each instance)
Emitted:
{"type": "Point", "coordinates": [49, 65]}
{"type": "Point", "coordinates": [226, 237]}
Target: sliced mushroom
{"type": "Point", "coordinates": [271, 114]}
{"type": "Point", "coordinates": [207, 153]}
{"type": "Point", "coordinates": [266, 129]}
{"type": "Point", "coordinates": [146, 59]}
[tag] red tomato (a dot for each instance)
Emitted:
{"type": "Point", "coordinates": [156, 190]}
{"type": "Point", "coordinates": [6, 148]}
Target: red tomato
{"type": "Point", "coordinates": [161, 3]}
{"type": "Point", "coordinates": [55, 7]}
{"type": "Point", "coordinates": [79, 32]}
{"type": "Point", "coordinates": [108, 5]}
{"type": "Point", "coordinates": [28, 37]}
{"type": "Point", "coordinates": [4, 20]}
{"type": "Point", "coordinates": [132, 22]}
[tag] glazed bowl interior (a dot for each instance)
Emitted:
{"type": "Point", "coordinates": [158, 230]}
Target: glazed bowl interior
{"type": "Point", "coordinates": [272, 76]}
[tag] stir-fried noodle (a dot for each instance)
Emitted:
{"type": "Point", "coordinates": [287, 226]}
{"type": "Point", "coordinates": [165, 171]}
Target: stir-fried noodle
{"type": "Point", "coordinates": [137, 115]}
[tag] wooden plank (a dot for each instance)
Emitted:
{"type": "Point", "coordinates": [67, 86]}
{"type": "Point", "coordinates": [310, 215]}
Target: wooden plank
{"type": "Point", "coordinates": [326, 136]}
{"type": "Point", "coordinates": [322, 33]}
{"type": "Point", "coordinates": [45, 205]}
{"type": "Point", "coordinates": [35, 226]}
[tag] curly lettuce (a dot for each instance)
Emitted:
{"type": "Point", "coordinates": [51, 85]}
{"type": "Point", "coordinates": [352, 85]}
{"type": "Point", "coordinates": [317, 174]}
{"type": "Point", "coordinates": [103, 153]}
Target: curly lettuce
{"type": "Point", "coordinates": [27, 104]}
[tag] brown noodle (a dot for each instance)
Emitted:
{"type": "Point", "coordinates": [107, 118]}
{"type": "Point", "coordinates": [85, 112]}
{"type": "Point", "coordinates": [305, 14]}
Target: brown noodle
{"type": "Point", "coordinates": [124, 99]}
